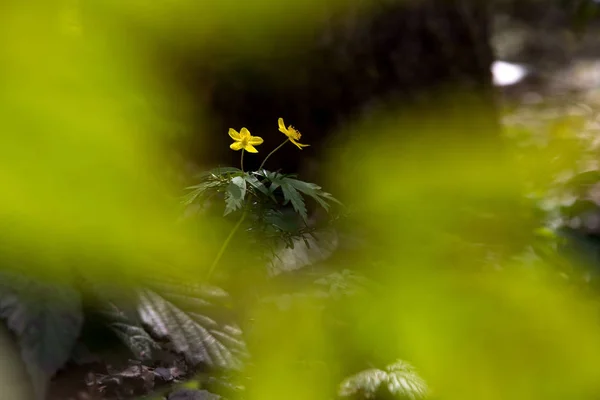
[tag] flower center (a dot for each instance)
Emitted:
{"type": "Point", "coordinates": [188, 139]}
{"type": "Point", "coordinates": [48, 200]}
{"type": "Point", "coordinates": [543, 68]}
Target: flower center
{"type": "Point", "coordinates": [294, 133]}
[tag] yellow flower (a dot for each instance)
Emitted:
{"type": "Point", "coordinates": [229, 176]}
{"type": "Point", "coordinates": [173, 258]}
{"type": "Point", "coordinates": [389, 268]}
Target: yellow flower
{"type": "Point", "coordinates": [244, 140]}
{"type": "Point", "coordinates": [291, 133]}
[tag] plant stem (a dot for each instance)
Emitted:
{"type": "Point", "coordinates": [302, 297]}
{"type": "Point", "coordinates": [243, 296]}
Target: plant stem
{"type": "Point", "coordinates": [225, 245]}
{"type": "Point", "coordinates": [242, 160]}
{"type": "Point", "coordinates": [271, 153]}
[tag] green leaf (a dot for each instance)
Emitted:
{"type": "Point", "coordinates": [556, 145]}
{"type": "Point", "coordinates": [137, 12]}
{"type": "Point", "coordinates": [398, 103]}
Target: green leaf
{"type": "Point", "coordinates": [292, 188]}
{"type": "Point", "coordinates": [312, 190]}
{"type": "Point", "coordinates": [234, 196]}
{"type": "Point", "coordinates": [403, 380]}
{"type": "Point", "coordinates": [199, 190]}
{"type": "Point", "coordinates": [130, 331]}
{"type": "Point", "coordinates": [367, 382]}
{"type": "Point", "coordinates": [283, 220]}
{"type": "Point", "coordinates": [118, 306]}
{"type": "Point", "coordinates": [274, 178]}
{"type": "Point", "coordinates": [258, 185]}
{"type": "Point", "coordinates": [218, 172]}
{"type": "Point", "coordinates": [290, 194]}
{"type": "Point", "coordinates": [211, 179]}
{"type": "Point", "coordinates": [400, 378]}
{"type": "Point", "coordinates": [46, 320]}
{"type": "Point", "coordinates": [183, 313]}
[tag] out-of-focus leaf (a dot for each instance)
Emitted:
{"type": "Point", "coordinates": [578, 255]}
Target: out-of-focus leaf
{"type": "Point", "coordinates": [46, 319]}
{"type": "Point", "coordinates": [199, 190]}
{"type": "Point", "coordinates": [404, 381]}
{"type": "Point", "coordinates": [345, 283]}
{"type": "Point", "coordinates": [218, 172]}
{"type": "Point", "coordinates": [265, 22]}
{"type": "Point", "coordinates": [192, 394]}
{"type": "Point", "coordinates": [14, 379]}
{"type": "Point", "coordinates": [400, 378]}
{"type": "Point", "coordinates": [367, 382]}
{"type": "Point", "coordinates": [320, 247]}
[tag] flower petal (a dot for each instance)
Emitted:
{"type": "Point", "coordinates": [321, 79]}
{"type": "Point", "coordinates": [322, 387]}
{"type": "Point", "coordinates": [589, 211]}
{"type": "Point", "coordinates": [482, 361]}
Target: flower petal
{"type": "Point", "coordinates": [245, 133]}
{"type": "Point", "coordinates": [250, 149]}
{"type": "Point", "coordinates": [234, 134]}
{"type": "Point", "coordinates": [282, 126]}
{"type": "Point", "coordinates": [299, 145]}
{"type": "Point", "coordinates": [255, 140]}
{"type": "Point", "coordinates": [236, 146]}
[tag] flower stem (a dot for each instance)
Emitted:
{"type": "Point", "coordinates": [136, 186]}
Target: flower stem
{"type": "Point", "coordinates": [242, 160]}
{"type": "Point", "coordinates": [225, 245]}
{"type": "Point", "coordinates": [271, 153]}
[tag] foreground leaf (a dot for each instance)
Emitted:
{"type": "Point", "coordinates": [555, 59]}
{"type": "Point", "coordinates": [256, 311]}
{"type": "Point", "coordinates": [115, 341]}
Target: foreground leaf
{"type": "Point", "coordinates": [198, 191]}
{"type": "Point", "coordinates": [400, 378]}
{"type": "Point", "coordinates": [46, 320]}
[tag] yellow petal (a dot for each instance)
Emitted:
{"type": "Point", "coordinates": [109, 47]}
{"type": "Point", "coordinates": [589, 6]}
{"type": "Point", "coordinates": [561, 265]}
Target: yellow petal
{"type": "Point", "coordinates": [299, 145]}
{"type": "Point", "coordinates": [245, 133]}
{"type": "Point", "coordinates": [255, 140]}
{"type": "Point", "coordinates": [282, 126]}
{"type": "Point", "coordinates": [250, 149]}
{"type": "Point", "coordinates": [234, 134]}
{"type": "Point", "coordinates": [236, 146]}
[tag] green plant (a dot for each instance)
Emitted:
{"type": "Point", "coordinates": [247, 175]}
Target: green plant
{"type": "Point", "coordinates": [160, 313]}
{"type": "Point", "coordinates": [399, 379]}
{"type": "Point", "coordinates": [263, 197]}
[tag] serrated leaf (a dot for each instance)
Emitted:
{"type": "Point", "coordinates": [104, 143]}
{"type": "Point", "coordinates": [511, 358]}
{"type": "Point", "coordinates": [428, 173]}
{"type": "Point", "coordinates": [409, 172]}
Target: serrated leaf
{"type": "Point", "coordinates": [198, 190]}
{"type": "Point", "coordinates": [284, 221]}
{"type": "Point", "coordinates": [403, 380]}
{"type": "Point", "coordinates": [219, 171]}
{"type": "Point", "coordinates": [274, 178]}
{"type": "Point", "coordinates": [367, 382]}
{"type": "Point", "coordinates": [400, 378]}
{"type": "Point", "coordinates": [178, 317]}
{"type": "Point", "coordinates": [290, 194]}
{"type": "Point", "coordinates": [129, 331]}
{"type": "Point", "coordinates": [258, 185]}
{"type": "Point", "coordinates": [46, 319]}
{"type": "Point", "coordinates": [312, 190]}
{"type": "Point", "coordinates": [234, 196]}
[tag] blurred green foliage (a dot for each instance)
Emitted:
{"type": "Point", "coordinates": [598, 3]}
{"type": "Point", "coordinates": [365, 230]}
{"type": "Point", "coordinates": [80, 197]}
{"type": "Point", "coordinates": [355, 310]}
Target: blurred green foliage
{"type": "Point", "coordinates": [84, 174]}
